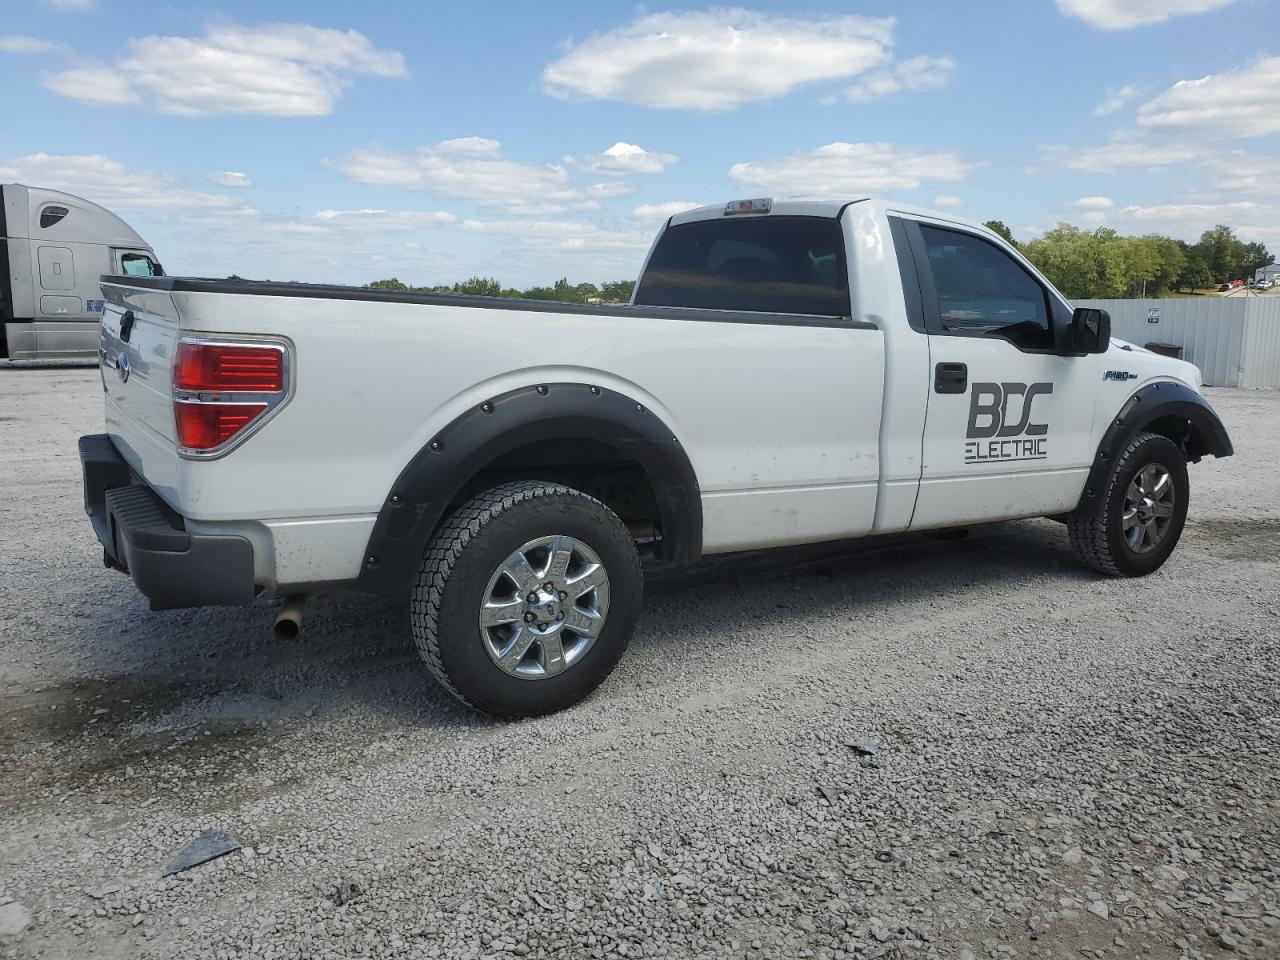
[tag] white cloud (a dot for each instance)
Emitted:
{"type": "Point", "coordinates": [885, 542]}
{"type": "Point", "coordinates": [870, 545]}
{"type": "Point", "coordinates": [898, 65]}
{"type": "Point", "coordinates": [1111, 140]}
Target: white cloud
{"type": "Point", "coordinates": [111, 183]}
{"type": "Point", "coordinates": [563, 234]}
{"type": "Point", "coordinates": [948, 202]}
{"type": "Point", "coordinates": [848, 169]}
{"type": "Point", "coordinates": [1123, 152]}
{"type": "Point", "coordinates": [471, 168]}
{"type": "Point", "coordinates": [1116, 99]}
{"type": "Point", "coordinates": [281, 69]}
{"type": "Point", "coordinates": [915, 73]}
{"type": "Point", "coordinates": [1239, 103]}
{"type": "Point", "coordinates": [1186, 221]}
{"type": "Point", "coordinates": [17, 43]}
{"type": "Point", "coordinates": [716, 59]}
{"type": "Point", "coordinates": [1121, 14]}
{"type": "Point", "coordinates": [1094, 203]}
{"type": "Point", "coordinates": [609, 188]}
{"type": "Point", "coordinates": [624, 158]}
{"type": "Point", "coordinates": [653, 212]}
{"type": "Point", "coordinates": [379, 220]}
{"type": "Point", "coordinates": [231, 178]}
{"type": "Point", "coordinates": [102, 86]}
{"type": "Point", "coordinates": [1239, 172]}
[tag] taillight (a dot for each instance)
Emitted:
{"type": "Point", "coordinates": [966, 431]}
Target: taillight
{"type": "Point", "coordinates": [204, 426]}
{"type": "Point", "coordinates": [221, 389]}
{"type": "Point", "coordinates": [228, 368]}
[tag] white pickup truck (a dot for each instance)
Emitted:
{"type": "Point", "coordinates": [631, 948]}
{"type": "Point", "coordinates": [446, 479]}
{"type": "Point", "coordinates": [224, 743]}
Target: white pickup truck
{"type": "Point", "coordinates": [786, 373]}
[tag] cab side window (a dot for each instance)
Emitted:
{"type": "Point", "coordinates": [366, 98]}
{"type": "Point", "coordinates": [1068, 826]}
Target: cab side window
{"type": "Point", "coordinates": [982, 290]}
{"type": "Point", "coordinates": [139, 265]}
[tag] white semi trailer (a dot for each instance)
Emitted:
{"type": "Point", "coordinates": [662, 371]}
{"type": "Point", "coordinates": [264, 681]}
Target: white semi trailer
{"type": "Point", "coordinates": [54, 247]}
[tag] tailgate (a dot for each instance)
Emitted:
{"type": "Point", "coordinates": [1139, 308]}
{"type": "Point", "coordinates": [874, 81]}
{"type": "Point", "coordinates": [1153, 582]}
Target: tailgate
{"type": "Point", "coordinates": [138, 338]}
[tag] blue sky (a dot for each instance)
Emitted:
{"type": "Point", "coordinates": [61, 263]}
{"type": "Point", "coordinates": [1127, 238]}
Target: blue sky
{"type": "Point", "coordinates": [344, 142]}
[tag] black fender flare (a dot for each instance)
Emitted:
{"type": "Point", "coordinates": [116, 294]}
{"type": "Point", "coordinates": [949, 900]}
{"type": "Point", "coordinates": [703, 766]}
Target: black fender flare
{"type": "Point", "coordinates": [1163, 403]}
{"type": "Point", "coordinates": [431, 481]}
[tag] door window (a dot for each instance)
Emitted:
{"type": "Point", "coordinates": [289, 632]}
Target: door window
{"type": "Point", "coordinates": [984, 291]}
{"type": "Point", "coordinates": [139, 265]}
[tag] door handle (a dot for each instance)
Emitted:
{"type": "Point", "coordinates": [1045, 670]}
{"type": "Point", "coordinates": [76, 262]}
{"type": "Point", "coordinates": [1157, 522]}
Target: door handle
{"type": "Point", "coordinates": [950, 378]}
{"type": "Point", "coordinates": [126, 326]}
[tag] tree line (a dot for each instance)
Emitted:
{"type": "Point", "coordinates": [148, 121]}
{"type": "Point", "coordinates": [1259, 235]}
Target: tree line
{"type": "Point", "coordinates": [1104, 264]}
{"type": "Point", "coordinates": [611, 291]}
{"type": "Point", "coordinates": [1081, 263]}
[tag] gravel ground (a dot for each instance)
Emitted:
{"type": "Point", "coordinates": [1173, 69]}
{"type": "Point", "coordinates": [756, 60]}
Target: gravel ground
{"type": "Point", "coordinates": [951, 748]}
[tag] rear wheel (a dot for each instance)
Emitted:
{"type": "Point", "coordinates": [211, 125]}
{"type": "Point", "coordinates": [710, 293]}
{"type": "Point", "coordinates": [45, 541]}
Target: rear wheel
{"type": "Point", "coordinates": [526, 598]}
{"type": "Point", "coordinates": [1136, 523]}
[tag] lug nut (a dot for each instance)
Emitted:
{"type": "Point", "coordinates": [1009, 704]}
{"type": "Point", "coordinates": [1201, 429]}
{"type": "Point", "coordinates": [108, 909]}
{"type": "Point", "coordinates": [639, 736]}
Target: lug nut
{"type": "Point", "coordinates": [528, 618]}
{"type": "Point", "coordinates": [563, 595]}
{"type": "Point", "coordinates": [560, 615]}
{"type": "Point", "coordinates": [532, 598]}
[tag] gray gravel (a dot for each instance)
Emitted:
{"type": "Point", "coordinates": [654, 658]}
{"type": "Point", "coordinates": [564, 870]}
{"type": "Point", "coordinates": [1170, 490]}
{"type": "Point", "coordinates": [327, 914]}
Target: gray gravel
{"type": "Point", "coordinates": [925, 748]}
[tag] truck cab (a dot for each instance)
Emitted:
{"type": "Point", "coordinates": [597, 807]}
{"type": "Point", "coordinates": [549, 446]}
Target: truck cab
{"type": "Point", "coordinates": [54, 247]}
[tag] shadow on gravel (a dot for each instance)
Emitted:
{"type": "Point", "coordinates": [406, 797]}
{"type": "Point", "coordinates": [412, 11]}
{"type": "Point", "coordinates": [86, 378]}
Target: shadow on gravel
{"type": "Point", "coordinates": [218, 685]}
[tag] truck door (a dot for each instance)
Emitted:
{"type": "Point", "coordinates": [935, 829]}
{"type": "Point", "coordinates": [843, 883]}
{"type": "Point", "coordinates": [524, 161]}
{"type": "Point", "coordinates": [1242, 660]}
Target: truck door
{"type": "Point", "coordinates": [1008, 420]}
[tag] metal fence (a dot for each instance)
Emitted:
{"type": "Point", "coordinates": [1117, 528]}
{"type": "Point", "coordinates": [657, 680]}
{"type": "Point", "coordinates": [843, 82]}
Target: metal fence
{"type": "Point", "coordinates": [1235, 341]}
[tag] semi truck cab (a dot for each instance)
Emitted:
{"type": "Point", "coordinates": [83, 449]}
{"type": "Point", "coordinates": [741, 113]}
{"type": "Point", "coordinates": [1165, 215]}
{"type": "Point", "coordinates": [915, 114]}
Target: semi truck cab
{"type": "Point", "coordinates": [54, 247]}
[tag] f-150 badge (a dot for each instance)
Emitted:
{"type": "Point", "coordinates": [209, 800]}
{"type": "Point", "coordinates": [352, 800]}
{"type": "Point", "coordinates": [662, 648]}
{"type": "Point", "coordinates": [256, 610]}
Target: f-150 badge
{"type": "Point", "coordinates": [1001, 425]}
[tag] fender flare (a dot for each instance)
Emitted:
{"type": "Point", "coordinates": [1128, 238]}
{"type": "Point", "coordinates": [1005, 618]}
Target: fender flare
{"type": "Point", "coordinates": [1167, 401]}
{"type": "Point", "coordinates": [417, 502]}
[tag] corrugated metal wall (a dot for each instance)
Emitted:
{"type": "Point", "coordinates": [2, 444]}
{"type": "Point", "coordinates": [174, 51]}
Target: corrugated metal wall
{"type": "Point", "coordinates": [1261, 366]}
{"type": "Point", "coordinates": [1235, 341]}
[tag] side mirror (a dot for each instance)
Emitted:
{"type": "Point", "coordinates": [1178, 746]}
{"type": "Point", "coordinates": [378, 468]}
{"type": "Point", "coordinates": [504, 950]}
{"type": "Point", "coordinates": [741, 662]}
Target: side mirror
{"type": "Point", "coordinates": [1090, 331]}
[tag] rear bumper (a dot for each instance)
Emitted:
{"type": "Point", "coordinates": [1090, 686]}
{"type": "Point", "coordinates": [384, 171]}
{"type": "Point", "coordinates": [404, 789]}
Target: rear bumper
{"type": "Point", "coordinates": [143, 537]}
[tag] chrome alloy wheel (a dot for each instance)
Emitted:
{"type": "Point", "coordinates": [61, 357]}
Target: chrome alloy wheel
{"type": "Point", "coordinates": [544, 607]}
{"type": "Point", "coordinates": [1148, 508]}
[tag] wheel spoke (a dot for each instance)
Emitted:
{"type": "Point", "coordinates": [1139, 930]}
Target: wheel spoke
{"type": "Point", "coordinates": [552, 653]}
{"type": "Point", "coordinates": [1129, 517]}
{"type": "Point", "coordinates": [497, 612]}
{"type": "Point", "coordinates": [1163, 509]}
{"type": "Point", "coordinates": [583, 584]}
{"type": "Point", "coordinates": [585, 622]}
{"type": "Point", "coordinates": [558, 563]}
{"type": "Point", "coordinates": [1161, 482]}
{"type": "Point", "coordinates": [518, 569]}
{"type": "Point", "coordinates": [519, 646]}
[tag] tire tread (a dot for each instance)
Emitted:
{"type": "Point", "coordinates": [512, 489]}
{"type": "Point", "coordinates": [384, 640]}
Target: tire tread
{"type": "Point", "coordinates": [1088, 532]}
{"type": "Point", "coordinates": [443, 552]}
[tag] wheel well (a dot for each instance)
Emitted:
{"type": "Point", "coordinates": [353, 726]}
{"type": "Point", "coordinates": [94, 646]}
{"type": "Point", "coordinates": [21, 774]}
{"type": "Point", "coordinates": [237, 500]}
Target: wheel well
{"type": "Point", "coordinates": [1183, 432]}
{"type": "Point", "coordinates": [592, 466]}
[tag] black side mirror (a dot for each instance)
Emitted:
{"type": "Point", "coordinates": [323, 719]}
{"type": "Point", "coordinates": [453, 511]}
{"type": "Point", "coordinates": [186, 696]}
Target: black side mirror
{"type": "Point", "coordinates": [1090, 331]}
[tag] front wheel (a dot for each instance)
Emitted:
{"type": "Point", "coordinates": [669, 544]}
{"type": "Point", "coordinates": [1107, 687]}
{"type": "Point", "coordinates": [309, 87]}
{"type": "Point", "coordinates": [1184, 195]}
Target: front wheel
{"type": "Point", "coordinates": [526, 598]}
{"type": "Point", "coordinates": [1134, 526]}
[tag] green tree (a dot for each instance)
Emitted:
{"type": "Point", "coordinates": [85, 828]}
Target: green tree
{"type": "Point", "coordinates": [617, 291]}
{"type": "Point", "coordinates": [997, 226]}
{"type": "Point", "coordinates": [1070, 258]}
{"type": "Point", "coordinates": [1219, 248]}
{"type": "Point", "coordinates": [392, 284]}
{"type": "Point", "coordinates": [479, 287]}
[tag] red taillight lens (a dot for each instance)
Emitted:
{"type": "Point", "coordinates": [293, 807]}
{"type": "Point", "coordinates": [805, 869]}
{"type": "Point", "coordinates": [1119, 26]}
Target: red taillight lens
{"type": "Point", "coordinates": [228, 368]}
{"type": "Point", "coordinates": [204, 426]}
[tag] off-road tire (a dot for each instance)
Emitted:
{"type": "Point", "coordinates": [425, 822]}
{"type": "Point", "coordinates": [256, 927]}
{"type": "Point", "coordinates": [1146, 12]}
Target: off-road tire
{"type": "Point", "coordinates": [1097, 535]}
{"type": "Point", "coordinates": [455, 570]}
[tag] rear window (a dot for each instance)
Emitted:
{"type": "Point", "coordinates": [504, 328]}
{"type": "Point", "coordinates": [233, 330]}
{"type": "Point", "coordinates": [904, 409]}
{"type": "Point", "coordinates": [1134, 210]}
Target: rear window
{"type": "Point", "coordinates": [766, 264]}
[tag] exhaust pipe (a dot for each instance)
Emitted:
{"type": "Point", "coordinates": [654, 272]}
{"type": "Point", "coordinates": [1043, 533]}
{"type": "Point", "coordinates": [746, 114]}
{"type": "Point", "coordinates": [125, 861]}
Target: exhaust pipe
{"type": "Point", "coordinates": [289, 618]}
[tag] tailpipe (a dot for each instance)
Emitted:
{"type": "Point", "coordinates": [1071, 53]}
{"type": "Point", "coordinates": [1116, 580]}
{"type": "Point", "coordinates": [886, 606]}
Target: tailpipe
{"type": "Point", "coordinates": [289, 618]}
